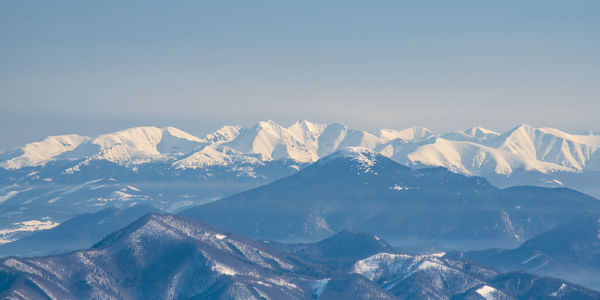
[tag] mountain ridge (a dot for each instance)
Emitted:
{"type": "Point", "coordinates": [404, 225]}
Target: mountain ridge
{"type": "Point", "coordinates": [474, 151]}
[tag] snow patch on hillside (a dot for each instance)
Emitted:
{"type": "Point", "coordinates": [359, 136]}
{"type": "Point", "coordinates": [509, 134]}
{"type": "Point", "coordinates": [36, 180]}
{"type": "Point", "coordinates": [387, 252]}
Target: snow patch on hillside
{"type": "Point", "coordinates": [487, 292]}
{"type": "Point", "coordinates": [25, 226]}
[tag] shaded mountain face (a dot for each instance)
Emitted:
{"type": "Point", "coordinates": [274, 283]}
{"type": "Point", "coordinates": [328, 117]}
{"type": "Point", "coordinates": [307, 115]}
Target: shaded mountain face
{"type": "Point", "coordinates": [79, 232]}
{"type": "Point", "coordinates": [366, 191]}
{"type": "Point", "coordinates": [340, 250]}
{"type": "Point", "coordinates": [162, 256]}
{"type": "Point", "coordinates": [570, 251]}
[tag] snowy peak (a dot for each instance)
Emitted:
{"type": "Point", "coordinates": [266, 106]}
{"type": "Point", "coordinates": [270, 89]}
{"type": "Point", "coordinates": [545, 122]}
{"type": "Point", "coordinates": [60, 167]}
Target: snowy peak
{"type": "Point", "coordinates": [180, 134]}
{"type": "Point", "coordinates": [216, 155]}
{"type": "Point", "coordinates": [306, 131]}
{"type": "Point", "coordinates": [363, 161]}
{"type": "Point", "coordinates": [38, 153]}
{"type": "Point", "coordinates": [408, 134]}
{"type": "Point", "coordinates": [480, 132]}
{"type": "Point", "coordinates": [473, 134]}
{"type": "Point", "coordinates": [303, 141]}
{"type": "Point", "coordinates": [223, 135]}
{"type": "Point", "coordinates": [364, 156]}
{"type": "Point", "coordinates": [159, 226]}
{"type": "Point", "coordinates": [520, 140]}
{"type": "Point", "coordinates": [139, 145]}
{"type": "Point", "coordinates": [126, 147]}
{"type": "Point", "coordinates": [272, 141]}
{"type": "Point", "coordinates": [550, 145]}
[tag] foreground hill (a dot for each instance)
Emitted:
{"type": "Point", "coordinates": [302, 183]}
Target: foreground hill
{"type": "Point", "coordinates": [358, 188]}
{"type": "Point", "coordinates": [160, 256]}
{"type": "Point", "coordinates": [168, 257]}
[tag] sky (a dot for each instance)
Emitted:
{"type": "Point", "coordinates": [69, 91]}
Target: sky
{"type": "Point", "coordinates": [91, 67]}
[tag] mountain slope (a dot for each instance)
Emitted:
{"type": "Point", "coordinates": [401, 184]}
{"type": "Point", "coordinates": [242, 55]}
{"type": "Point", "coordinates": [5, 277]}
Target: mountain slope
{"type": "Point", "coordinates": [337, 192]}
{"type": "Point", "coordinates": [165, 257]}
{"type": "Point", "coordinates": [570, 251]}
{"type": "Point", "coordinates": [435, 277]}
{"type": "Point", "coordinates": [38, 153]}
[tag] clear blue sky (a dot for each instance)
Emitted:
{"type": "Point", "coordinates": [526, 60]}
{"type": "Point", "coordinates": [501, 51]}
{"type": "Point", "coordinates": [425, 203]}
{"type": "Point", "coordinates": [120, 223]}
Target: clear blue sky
{"type": "Point", "coordinates": [91, 67]}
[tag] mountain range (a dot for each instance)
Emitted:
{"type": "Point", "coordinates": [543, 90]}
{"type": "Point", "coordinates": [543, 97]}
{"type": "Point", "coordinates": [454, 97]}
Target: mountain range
{"type": "Point", "coordinates": [47, 182]}
{"type": "Point", "coordinates": [475, 151]}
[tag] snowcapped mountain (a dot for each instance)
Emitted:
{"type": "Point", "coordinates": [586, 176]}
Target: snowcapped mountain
{"type": "Point", "coordinates": [38, 153]}
{"type": "Point", "coordinates": [127, 147]}
{"type": "Point", "coordinates": [475, 151]}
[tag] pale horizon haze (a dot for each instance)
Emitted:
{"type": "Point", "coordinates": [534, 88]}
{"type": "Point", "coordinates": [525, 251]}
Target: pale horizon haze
{"type": "Point", "coordinates": [90, 68]}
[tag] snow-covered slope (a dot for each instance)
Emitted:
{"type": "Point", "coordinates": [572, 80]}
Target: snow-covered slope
{"type": "Point", "coordinates": [474, 134]}
{"type": "Point", "coordinates": [475, 151]}
{"type": "Point", "coordinates": [475, 159]}
{"type": "Point", "coordinates": [406, 135]}
{"type": "Point", "coordinates": [138, 145]}
{"type": "Point", "coordinates": [435, 277]}
{"type": "Point", "coordinates": [575, 152]}
{"type": "Point", "coordinates": [38, 153]}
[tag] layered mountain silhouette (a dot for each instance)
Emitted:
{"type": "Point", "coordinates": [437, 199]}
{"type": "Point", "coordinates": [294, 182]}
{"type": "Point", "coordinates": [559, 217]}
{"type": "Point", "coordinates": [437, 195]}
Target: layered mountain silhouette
{"type": "Point", "coordinates": [162, 256]}
{"type": "Point", "coordinates": [570, 251]}
{"type": "Point", "coordinates": [60, 177]}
